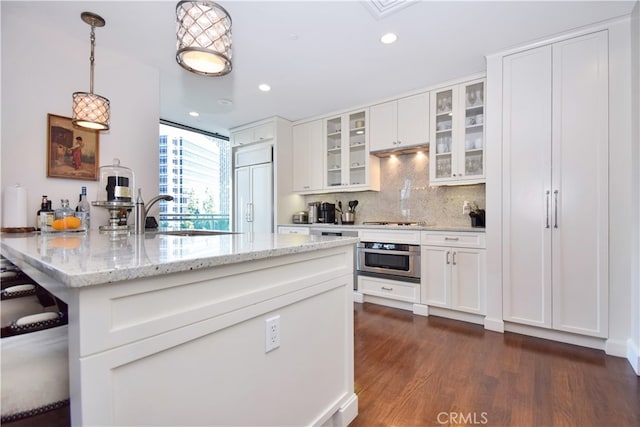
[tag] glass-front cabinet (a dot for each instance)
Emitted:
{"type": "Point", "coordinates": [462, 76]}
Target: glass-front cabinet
{"type": "Point", "coordinates": [348, 163]}
{"type": "Point", "coordinates": [456, 153]}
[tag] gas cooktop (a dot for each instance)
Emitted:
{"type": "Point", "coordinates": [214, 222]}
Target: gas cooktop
{"type": "Point", "coordinates": [396, 223]}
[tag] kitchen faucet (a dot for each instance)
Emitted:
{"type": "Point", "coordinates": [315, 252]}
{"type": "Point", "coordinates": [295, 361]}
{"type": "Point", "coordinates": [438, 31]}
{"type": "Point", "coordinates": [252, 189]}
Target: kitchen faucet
{"type": "Point", "coordinates": [141, 213]}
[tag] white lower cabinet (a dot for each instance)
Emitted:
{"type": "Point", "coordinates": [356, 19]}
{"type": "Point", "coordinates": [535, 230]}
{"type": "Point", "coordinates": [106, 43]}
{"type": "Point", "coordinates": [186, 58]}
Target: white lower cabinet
{"type": "Point", "coordinates": [453, 276]}
{"type": "Point", "coordinates": [391, 289]}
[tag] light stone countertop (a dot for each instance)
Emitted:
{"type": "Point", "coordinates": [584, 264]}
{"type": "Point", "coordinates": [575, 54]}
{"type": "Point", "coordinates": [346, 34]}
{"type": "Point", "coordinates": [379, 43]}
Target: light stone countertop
{"type": "Point", "coordinates": [390, 227]}
{"type": "Point", "coordinates": [85, 259]}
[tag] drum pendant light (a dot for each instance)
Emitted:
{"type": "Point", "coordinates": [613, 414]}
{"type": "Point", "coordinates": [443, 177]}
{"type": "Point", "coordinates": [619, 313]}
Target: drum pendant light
{"type": "Point", "coordinates": [204, 38]}
{"type": "Point", "coordinates": [90, 110]}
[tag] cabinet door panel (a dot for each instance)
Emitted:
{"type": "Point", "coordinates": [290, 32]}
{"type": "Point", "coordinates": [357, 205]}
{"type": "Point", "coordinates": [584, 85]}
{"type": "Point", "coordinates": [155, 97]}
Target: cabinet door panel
{"type": "Point", "coordinates": [580, 176]}
{"type": "Point", "coordinates": [383, 126]}
{"type": "Point", "coordinates": [413, 120]}
{"type": "Point", "coordinates": [262, 200]}
{"type": "Point", "coordinates": [526, 187]}
{"type": "Point", "coordinates": [242, 184]}
{"type": "Point", "coordinates": [308, 161]}
{"type": "Point", "coordinates": [436, 274]}
{"type": "Point", "coordinates": [467, 280]}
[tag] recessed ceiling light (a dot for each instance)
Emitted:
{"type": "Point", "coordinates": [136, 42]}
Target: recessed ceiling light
{"type": "Point", "coordinates": [388, 38]}
{"type": "Point", "coordinates": [194, 114]}
{"type": "Point", "coordinates": [225, 101]}
{"type": "Point", "coordinates": [264, 87]}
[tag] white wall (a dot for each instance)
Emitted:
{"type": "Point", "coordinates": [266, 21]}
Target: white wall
{"type": "Point", "coordinates": [634, 345]}
{"type": "Point", "coordinates": [41, 68]}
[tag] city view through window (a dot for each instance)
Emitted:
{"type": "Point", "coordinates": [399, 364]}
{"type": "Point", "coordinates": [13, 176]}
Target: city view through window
{"type": "Point", "coordinates": [195, 168]}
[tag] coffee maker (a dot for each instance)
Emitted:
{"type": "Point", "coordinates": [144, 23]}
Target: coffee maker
{"type": "Point", "coordinates": [327, 213]}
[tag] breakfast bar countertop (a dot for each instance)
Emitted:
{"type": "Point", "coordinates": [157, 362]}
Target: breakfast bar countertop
{"type": "Point", "coordinates": [91, 258]}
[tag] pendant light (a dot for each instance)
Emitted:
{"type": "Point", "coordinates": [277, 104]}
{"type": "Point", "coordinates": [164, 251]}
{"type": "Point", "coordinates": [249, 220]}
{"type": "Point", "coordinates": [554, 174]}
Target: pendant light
{"type": "Point", "coordinates": [90, 110]}
{"type": "Point", "coordinates": [204, 38]}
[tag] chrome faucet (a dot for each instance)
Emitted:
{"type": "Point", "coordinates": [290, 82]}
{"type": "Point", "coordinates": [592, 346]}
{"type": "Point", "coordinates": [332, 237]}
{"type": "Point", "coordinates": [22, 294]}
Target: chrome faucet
{"type": "Point", "coordinates": [141, 213]}
{"type": "Point", "coordinates": [156, 199]}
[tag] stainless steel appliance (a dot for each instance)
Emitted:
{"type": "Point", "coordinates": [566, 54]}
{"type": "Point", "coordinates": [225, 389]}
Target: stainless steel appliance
{"type": "Point", "coordinates": [389, 261]}
{"type": "Point", "coordinates": [333, 232]}
{"type": "Point", "coordinates": [313, 212]}
{"type": "Point", "coordinates": [327, 213]}
{"type": "Point", "coordinates": [301, 217]}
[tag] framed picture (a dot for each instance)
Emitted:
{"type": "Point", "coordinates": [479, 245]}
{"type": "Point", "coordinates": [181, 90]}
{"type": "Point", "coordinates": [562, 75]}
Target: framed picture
{"type": "Point", "coordinates": [72, 152]}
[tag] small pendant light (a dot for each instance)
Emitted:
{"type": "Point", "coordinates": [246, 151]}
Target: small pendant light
{"type": "Point", "coordinates": [204, 38]}
{"type": "Point", "coordinates": [90, 110]}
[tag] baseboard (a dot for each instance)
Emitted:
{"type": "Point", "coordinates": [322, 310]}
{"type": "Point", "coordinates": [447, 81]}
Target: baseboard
{"type": "Point", "coordinates": [421, 310]}
{"type": "Point", "coordinates": [495, 325]}
{"type": "Point", "coordinates": [553, 335]}
{"type": "Point", "coordinates": [358, 297]}
{"type": "Point", "coordinates": [388, 302]}
{"type": "Point", "coordinates": [616, 348]}
{"type": "Point", "coordinates": [633, 355]}
{"type": "Point", "coordinates": [478, 319]}
{"type": "Point", "coordinates": [347, 412]}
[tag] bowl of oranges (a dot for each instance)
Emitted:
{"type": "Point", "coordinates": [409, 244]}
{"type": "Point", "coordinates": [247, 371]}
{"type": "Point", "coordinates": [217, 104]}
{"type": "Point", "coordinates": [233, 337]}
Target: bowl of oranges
{"type": "Point", "coordinates": [64, 224]}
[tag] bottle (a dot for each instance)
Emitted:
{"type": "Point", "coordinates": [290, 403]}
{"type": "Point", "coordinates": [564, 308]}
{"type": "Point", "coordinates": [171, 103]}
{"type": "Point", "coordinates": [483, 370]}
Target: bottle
{"type": "Point", "coordinates": [64, 211]}
{"type": "Point", "coordinates": [45, 207]}
{"type": "Point", "coordinates": [83, 209]}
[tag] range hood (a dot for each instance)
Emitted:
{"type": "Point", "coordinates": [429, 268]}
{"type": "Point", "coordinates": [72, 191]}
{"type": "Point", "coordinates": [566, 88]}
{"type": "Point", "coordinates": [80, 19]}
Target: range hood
{"type": "Point", "coordinates": [399, 151]}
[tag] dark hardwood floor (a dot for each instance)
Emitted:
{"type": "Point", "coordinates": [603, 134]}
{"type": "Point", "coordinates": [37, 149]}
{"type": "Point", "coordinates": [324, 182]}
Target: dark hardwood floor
{"type": "Point", "coordinates": [428, 371]}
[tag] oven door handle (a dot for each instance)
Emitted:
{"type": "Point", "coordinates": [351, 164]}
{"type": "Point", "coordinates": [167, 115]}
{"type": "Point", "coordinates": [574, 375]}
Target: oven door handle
{"type": "Point", "coordinates": [384, 252]}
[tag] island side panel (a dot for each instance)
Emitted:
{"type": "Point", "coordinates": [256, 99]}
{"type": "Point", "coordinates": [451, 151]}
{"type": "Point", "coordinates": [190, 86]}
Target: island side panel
{"type": "Point", "coordinates": [207, 363]}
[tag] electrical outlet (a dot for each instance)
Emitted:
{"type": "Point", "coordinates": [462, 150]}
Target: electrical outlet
{"type": "Point", "coordinates": [466, 208]}
{"type": "Point", "coordinates": [272, 333]}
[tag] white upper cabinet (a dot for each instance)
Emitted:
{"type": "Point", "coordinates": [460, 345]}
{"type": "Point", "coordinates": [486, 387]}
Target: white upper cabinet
{"type": "Point", "coordinates": [308, 157]}
{"type": "Point", "coordinates": [399, 124]}
{"type": "Point", "coordinates": [348, 165]}
{"type": "Point", "coordinates": [456, 152]}
{"type": "Point", "coordinates": [263, 132]}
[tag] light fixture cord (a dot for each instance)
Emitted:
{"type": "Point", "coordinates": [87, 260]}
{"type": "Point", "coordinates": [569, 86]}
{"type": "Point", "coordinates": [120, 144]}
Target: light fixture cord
{"type": "Point", "coordinates": [91, 58]}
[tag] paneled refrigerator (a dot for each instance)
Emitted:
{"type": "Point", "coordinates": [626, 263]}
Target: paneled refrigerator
{"type": "Point", "coordinates": [253, 189]}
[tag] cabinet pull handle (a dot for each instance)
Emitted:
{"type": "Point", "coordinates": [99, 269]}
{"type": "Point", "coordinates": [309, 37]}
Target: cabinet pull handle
{"type": "Point", "coordinates": [454, 258]}
{"type": "Point", "coordinates": [455, 239]}
{"type": "Point", "coordinates": [384, 288]}
{"type": "Point", "coordinates": [448, 257]}
{"type": "Point", "coordinates": [555, 196]}
{"type": "Point", "coordinates": [548, 193]}
{"type": "Point", "coordinates": [249, 215]}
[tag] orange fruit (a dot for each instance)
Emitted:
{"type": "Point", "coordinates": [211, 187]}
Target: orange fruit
{"type": "Point", "coordinates": [72, 222]}
{"type": "Point", "coordinates": [67, 223]}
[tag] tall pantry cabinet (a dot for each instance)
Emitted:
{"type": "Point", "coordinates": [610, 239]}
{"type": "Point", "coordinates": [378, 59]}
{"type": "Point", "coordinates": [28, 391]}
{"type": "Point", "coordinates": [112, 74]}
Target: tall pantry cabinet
{"type": "Point", "coordinates": [555, 185]}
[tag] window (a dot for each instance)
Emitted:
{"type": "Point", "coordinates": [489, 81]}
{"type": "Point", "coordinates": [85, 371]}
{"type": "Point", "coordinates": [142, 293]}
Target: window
{"type": "Point", "coordinates": [201, 187]}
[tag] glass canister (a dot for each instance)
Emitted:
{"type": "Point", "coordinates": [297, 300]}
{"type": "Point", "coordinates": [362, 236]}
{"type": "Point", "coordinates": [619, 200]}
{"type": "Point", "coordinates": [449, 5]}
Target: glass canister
{"type": "Point", "coordinates": [116, 183]}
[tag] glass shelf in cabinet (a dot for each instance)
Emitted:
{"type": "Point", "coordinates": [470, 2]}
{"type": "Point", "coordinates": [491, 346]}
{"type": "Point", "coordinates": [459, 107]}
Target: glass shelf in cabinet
{"type": "Point", "coordinates": [473, 151]}
{"type": "Point", "coordinates": [334, 133]}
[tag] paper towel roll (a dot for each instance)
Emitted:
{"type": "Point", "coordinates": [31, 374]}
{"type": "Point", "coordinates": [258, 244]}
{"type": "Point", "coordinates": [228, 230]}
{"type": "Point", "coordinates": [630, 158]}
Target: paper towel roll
{"type": "Point", "coordinates": [14, 207]}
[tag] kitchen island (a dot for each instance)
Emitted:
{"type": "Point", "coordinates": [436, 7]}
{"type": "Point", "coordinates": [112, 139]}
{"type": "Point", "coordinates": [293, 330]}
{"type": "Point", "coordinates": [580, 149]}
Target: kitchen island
{"type": "Point", "coordinates": [172, 330]}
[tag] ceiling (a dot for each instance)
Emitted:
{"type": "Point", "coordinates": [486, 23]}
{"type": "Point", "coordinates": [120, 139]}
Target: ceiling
{"type": "Point", "coordinates": [319, 56]}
